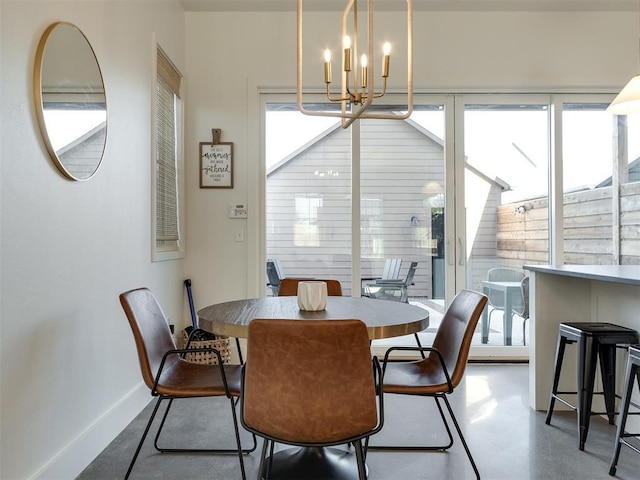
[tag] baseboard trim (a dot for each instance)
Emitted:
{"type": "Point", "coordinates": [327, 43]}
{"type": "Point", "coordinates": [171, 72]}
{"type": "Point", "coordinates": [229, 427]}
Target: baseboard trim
{"type": "Point", "coordinates": [78, 454]}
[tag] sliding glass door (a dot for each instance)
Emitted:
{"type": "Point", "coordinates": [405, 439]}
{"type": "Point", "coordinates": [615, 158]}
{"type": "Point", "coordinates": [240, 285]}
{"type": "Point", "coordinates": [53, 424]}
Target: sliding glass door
{"type": "Point", "coordinates": [403, 207]}
{"type": "Point", "coordinates": [506, 180]}
{"type": "Point", "coordinates": [463, 189]}
{"type": "Point", "coordinates": [400, 178]}
{"type": "Point", "coordinates": [308, 194]}
{"type": "Point", "coordinates": [402, 202]}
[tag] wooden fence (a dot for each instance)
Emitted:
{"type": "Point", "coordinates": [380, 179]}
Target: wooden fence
{"type": "Point", "coordinates": [592, 234]}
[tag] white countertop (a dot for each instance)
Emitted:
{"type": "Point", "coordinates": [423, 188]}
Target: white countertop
{"type": "Point", "coordinates": [627, 274]}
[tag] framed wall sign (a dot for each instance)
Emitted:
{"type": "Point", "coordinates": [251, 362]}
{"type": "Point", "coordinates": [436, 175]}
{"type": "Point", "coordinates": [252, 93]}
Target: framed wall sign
{"type": "Point", "coordinates": [216, 165]}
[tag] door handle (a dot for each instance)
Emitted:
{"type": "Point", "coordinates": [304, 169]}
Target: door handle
{"type": "Point", "coordinates": [461, 252]}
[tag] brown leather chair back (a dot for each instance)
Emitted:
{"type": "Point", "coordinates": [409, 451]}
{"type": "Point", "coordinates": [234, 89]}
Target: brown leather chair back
{"type": "Point", "coordinates": [289, 286]}
{"type": "Point", "coordinates": [150, 331]}
{"type": "Point", "coordinates": [309, 381]}
{"type": "Point", "coordinates": [455, 333]}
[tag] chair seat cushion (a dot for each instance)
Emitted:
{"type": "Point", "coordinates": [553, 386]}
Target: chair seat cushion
{"type": "Point", "coordinates": [415, 378]}
{"type": "Point", "coordinates": [185, 379]}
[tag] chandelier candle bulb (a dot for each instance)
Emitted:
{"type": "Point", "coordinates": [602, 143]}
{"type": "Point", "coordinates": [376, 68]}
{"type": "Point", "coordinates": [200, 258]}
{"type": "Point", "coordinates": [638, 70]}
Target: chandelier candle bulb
{"type": "Point", "coordinates": [364, 64]}
{"type": "Point", "coordinates": [346, 45]}
{"type": "Point", "coordinates": [327, 66]}
{"type": "Point", "coordinates": [386, 50]}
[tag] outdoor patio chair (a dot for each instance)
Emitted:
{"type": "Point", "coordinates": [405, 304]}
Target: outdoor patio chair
{"type": "Point", "coordinates": [522, 310]}
{"type": "Point", "coordinates": [275, 274]}
{"type": "Point", "coordinates": [391, 271]}
{"type": "Point", "coordinates": [397, 290]}
{"type": "Point", "coordinates": [497, 298]}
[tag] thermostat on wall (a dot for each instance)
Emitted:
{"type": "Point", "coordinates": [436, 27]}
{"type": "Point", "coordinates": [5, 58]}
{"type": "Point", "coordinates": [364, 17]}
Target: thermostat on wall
{"type": "Point", "coordinates": [237, 210]}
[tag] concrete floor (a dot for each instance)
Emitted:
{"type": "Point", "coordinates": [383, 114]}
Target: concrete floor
{"type": "Point", "coordinates": [509, 441]}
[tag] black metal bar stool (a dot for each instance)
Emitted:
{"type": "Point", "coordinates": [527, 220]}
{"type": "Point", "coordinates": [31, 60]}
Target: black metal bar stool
{"type": "Point", "coordinates": [594, 340]}
{"type": "Point", "coordinates": [633, 374]}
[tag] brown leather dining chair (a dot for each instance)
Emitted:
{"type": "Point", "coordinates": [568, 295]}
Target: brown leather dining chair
{"type": "Point", "coordinates": [441, 372]}
{"type": "Point", "coordinates": [169, 376]}
{"type": "Point", "coordinates": [310, 384]}
{"type": "Point", "coordinates": [289, 286]}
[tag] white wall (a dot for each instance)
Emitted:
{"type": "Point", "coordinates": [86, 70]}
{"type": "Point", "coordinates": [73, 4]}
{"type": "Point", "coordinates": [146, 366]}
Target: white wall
{"type": "Point", "coordinates": [69, 374]}
{"type": "Point", "coordinates": [231, 57]}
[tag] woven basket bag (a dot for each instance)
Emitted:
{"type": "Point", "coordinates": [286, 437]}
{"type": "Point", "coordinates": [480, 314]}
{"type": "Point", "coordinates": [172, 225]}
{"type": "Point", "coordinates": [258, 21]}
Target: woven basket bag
{"type": "Point", "coordinates": [219, 342]}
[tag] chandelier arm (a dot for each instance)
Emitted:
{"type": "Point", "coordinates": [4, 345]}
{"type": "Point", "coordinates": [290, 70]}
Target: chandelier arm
{"type": "Point", "coordinates": [347, 121]}
{"type": "Point", "coordinates": [334, 99]}
{"type": "Point", "coordinates": [384, 90]}
{"type": "Point", "coordinates": [385, 116]}
{"type": "Point", "coordinates": [345, 31]}
{"type": "Point", "coordinates": [338, 99]}
{"type": "Point", "coordinates": [370, 85]}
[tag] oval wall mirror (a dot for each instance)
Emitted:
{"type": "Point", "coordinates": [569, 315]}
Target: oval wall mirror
{"type": "Point", "coordinates": [70, 101]}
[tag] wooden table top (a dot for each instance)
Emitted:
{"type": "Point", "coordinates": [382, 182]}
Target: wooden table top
{"type": "Point", "coordinates": [383, 318]}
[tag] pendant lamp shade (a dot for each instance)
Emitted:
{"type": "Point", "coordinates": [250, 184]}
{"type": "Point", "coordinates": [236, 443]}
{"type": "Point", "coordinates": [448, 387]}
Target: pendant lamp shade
{"type": "Point", "coordinates": [628, 100]}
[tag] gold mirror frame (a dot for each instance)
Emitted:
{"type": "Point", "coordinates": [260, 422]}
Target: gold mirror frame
{"type": "Point", "coordinates": [70, 101]}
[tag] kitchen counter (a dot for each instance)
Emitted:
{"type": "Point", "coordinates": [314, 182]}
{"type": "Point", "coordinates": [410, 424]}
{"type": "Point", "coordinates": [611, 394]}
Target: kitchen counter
{"type": "Point", "coordinates": [626, 274]}
{"type": "Point", "coordinates": [575, 293]}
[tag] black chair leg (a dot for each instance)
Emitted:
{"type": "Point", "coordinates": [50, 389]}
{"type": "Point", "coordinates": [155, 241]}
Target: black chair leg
{"type": "Point", "coordinates": [587, 359]}
{"type": "Point", "coordinates": [556, 377]}
{"type": "Point", "coordinates": [237, 450]}
{"type": "Point", "coordinates": [633, 375]}
{"type": "Point", "coordinates": [270, 462]}
{"type": "Point", "coordinates": [445, 423]}
{"type": "Point", "coordinates": [144, 436]}
{"type": "Point", "coordinates": [419, 344]}
{"type": "Point", "coordinates": [164, 418]}
{"type": "Point", "coordinates": [608, 373]}
{"type": "Point", "coordinates": [462, 439]}
{"type": "Point", "coordinates": [362, 469]}
{"type": "Point", "coordinates": [263, 455]}
{"type": "Point", "coordinates": [239, 351]}
{"type": "Point", "coordinates": [421, 448]}
{"type": "Point", "coordinates": [201, 450]}
{"type": "Point", "coordinates": [238, 443]}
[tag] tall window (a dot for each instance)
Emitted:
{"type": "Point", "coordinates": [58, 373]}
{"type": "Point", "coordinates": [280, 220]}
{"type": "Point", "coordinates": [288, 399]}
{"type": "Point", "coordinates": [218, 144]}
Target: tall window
{"type": "Point", "coordinates": [168, 241]}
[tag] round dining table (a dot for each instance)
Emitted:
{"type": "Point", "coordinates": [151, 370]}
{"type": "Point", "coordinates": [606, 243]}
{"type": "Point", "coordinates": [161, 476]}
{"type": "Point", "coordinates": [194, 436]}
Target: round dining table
{"type": "Point", "coordinates": [383, 319]}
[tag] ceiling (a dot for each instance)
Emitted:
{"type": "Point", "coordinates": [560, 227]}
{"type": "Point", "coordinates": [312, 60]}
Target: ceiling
{"type": "Point", "coordinates": [418, 5]}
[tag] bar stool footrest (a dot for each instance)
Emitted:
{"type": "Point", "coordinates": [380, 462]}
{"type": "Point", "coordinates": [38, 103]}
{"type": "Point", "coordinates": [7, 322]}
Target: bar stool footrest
{"type": "Point", "coordinates": [631, 446]}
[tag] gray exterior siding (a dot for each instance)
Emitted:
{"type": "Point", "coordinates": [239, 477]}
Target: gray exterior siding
{"type": "Point", "coordinates": [398, 161]}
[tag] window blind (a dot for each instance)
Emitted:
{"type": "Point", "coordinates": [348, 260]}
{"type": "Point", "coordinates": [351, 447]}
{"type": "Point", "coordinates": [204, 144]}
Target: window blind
{"type": "Point", "coordinates": [166, 175]}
